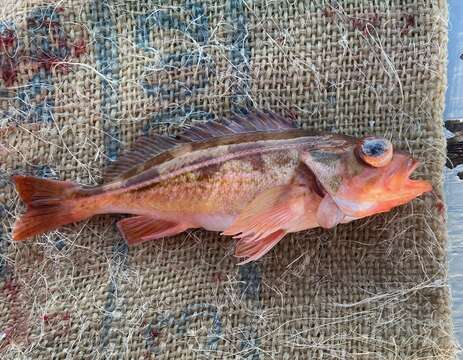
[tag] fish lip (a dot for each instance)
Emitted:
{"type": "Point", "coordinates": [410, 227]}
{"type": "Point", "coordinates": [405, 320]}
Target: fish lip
{"type": "Point", "coordinates": [419, 186]}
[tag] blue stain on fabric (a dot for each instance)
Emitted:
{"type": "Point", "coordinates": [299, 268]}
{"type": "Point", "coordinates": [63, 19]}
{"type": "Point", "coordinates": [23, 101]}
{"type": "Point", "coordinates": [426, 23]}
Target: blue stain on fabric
{"type": "Point", "coordinates": [119, 261]}
{"type": "Point", "coordinates": [180, 324]}
{"type": "Point", "coordinates": [3, 244]}
{"type": "Point", "coordinates": [186, 60]}
{"type": "Point", "coordinates": [197, 28]}
{"type": "Point", "coordinates": [250, 286]}
{"type": "Point", "coordinates": [109, 308]}
{"type": "Point", "coordinates": [177, 88]}
{"type": "Point", "coordinates": [45, 171]}
{"type": "Point", "coordinates": [250, 281]}
{"type": "Point", "coordinates": [239, 54]}
{"type": "Point", "coordinates": [178, 115]}
{"type": "Point", "coordinates": [4, 238]}
{"type": "Point", "coordinates": [31, 109]}
{"type": "Point", "coordinates": [207, 311]}
{"type": "Point", "coordinates": [40, 14]}
{"type": "Point", "coordinates": [7, 25]}
{"type": "Point", "coordinates": [60, 244]}
{"type": "Point", "coordinates": [106, 53]}
{"type": "Point", "coordinates": [35, 108]}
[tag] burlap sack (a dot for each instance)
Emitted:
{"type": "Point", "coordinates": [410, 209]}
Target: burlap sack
{"type": "Point", "coordinates": [80, 80]}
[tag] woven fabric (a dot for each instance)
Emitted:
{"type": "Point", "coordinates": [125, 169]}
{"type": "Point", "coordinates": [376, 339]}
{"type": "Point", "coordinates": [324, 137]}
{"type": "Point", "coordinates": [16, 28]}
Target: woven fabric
{"type": "Point", "coordinates": [80, 80]}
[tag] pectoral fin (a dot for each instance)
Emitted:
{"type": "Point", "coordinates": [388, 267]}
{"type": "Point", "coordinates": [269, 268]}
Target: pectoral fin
{"type": "Point", "coordinates": [138, 229]}
{"type": "Point", "coordinates": [264, 221]}
{"type": "Point", "coordinates": [252, 250]}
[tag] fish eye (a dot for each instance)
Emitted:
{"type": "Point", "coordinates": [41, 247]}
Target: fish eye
{"type": "Point", "coordinates": [375, 151]}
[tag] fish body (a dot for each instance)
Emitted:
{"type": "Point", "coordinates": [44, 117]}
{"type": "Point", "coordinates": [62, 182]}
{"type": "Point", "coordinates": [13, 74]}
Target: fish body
{"type": "Point", "coordinates": [257, 177]}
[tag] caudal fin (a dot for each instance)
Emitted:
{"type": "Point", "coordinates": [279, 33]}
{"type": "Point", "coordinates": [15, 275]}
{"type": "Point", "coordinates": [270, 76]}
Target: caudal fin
{"type": "Point", "coordinates": [49, 206]}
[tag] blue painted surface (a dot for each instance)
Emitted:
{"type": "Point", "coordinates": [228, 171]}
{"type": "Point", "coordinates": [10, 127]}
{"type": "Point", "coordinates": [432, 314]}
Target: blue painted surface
{"type": "Point", "coordinates": [454, 95]}
{"type": "Point", "coordinates": [453, 198]}
{"type": "Point", "coordinates": [454, 186]}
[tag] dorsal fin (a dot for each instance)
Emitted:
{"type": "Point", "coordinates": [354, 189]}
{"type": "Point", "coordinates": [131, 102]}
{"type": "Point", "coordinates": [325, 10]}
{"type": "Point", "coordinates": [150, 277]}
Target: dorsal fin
{"type": "Point", "coordinates": [252, 122]}
{"type": "Point", "coordinates": [145, 148]}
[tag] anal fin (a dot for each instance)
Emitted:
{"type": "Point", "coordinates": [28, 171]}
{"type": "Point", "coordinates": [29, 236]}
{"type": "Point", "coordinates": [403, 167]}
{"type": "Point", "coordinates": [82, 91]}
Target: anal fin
{"type": "Point", "coordinates": [139, 229]}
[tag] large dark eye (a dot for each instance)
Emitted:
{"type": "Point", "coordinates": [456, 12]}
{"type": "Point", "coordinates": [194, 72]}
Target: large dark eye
{"type": "Point", "coordinates": [376, 152]}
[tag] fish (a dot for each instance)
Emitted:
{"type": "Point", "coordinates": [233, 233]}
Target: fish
{"type": "Point", "coordinates": [255, 177]}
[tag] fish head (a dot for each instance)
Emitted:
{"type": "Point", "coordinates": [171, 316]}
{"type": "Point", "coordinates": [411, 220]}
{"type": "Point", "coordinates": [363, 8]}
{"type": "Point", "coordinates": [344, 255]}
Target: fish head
{"type": "Point", "coordinates": [362, 178]}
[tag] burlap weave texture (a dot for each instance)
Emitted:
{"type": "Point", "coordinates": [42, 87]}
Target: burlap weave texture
{"type": "Point", "coordinates": [80, 80]}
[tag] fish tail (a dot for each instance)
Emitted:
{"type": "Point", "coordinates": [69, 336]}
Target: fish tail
{"type": "Point", "coordinates": [50, 204]}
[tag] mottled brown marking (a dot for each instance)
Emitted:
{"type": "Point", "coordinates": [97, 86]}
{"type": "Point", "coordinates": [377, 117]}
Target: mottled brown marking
{"type": "Point", "coordinates": [256, 161]}
{"type": "Point", "coordinates": [329, 161]}
{"type": "Point", "coordinates": [208, 172]}
{"type": "Point", "coordinates": [335, 182]}
{"type": "Point", "coordinates": [282, 158]}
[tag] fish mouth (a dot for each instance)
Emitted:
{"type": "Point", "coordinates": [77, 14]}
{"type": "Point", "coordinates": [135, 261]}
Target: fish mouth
{"type": "Point", "coordinates": [413, 187]}
{"type": "Point", "coordinates": [397, 178]}
{"type": "Point", "coordinates": [400, 189]}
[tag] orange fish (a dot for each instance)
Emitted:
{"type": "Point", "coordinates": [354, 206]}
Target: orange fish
{"type": "Point", "coordinates": [256, 177]}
